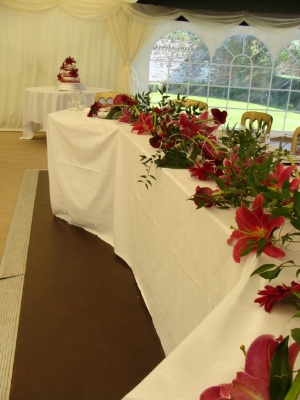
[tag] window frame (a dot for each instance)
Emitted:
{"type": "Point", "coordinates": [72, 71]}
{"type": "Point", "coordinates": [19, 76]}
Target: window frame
{"type": "Point", "coordinates": [212, 38]}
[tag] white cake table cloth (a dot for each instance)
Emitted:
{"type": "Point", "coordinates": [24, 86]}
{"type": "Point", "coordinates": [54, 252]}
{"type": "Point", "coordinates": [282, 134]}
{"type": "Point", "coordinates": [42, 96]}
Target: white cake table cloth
{"type": "Point", "coordinates": [41, 101]}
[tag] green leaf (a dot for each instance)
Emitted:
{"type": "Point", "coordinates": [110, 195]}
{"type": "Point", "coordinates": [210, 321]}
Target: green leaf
{"type": "Point", "coordinates": [263, 268]}
{"type": "Point", "coordinates": [271, 274]}
{"type": "Point", "coordinates": [280, 372]}
{"type": "Point", "coordinates": [281, 211]}
{"type": "Point", "coordinates": [297, 315]}
{"type": "Point", "coordinates": [296, 206]}
{"type": "Point", "coordinates": [114, 113]}
{"type": "Point", "coordinates": [286, 190]}
{"type": "Point", "coordinates": [296, 294]}
{"type": "Point", "coordinates": [295, 333]}
{"type": "Point", "coordinates": [195, 152]}
{"type": "Point", "coordinates": [295, 389]}
{"type": "Point", "coordinates": [273, 195]}
{"type": "Point", "coordinates": [219, 182]}
{"type": "Point", "coordinates": [174, 158]}
{"type": "Point", "coordinates": [295, 222]}
{"type": "Point", "coordinates": [248, 250]}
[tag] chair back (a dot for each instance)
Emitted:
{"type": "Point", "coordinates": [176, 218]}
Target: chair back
{"type": "Point", "coordinates": [258, 119]}
{"type": "Point", "coordinates": [191, 103]}
{"type": "Point", "coordinates": [106, 98]}
{"type": "Point", "coordinates": [295, 148]}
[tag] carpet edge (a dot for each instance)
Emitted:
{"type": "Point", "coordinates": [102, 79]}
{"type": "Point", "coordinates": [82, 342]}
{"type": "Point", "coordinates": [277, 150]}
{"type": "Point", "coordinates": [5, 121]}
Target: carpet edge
{"type": "Point", "coordinates": [12, 271]}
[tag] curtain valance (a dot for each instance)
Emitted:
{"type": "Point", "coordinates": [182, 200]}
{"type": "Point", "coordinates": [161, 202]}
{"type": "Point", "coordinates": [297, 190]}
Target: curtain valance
{"type": "Point", "coordinates": [87, 9]}
{"type": "Point", "coordinates": [147, 14]}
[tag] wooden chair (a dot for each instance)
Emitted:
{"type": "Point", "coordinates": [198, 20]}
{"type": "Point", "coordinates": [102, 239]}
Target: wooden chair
{"type": "Point", "coordinates": [259, 120]}
{"type": "Point", "coordinates": [191, 102]}
{"type": "Point", "coordinates": [295, 148]}
{"type": "Point", "coordinates": [106, 97]}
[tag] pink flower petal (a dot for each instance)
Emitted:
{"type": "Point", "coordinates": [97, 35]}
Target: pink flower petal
{"type": "Point", "coordinates": [294, 349]}
{"type": "Point", "coordinates": [273, 251]}
{"type": "Point", "coordinates": [247, 220]}
{"type": "Point", "coordinates": [245, 387]}
{"type": "Point", "coordinates": [218, 392]}
{"type": "Point", "coordinates": [240, 246]}
{"type": "Point", "coordinates": [285, 174]}
{"type": "Point", "coordinates": [259, 356]}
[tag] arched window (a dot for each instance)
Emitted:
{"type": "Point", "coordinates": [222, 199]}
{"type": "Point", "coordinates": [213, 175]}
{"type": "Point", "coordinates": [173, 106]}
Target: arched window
{"type": "Point", "coordinates": [285, 91]}
{"type": "Point", "coordinates": [240, 76]}
{"type": "Point", "coordinates": [180, 60]}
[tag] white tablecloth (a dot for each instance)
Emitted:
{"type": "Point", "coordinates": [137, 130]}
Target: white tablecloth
{"type": "Point", "coordinates": [41, 101]}
{"type": "Point", "coordinates": [201, 302]}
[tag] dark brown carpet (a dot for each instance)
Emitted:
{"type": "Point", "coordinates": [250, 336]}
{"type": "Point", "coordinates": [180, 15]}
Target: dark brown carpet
{"type": "Point", "coordinates": [84, 330]}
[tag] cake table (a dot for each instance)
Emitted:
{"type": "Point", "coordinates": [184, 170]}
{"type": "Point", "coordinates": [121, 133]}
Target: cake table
{"type": "Point", "coordinates": [41, 101]}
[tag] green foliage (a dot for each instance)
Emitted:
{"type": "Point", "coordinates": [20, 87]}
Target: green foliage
{"type": "Point", "coordinates": [271, 271]}
{"type": "Point", "coordinates": [176, 159]}
{"type": "Point", "coordinates": [280, 372]}
{"type": "Point", "coordinates": [148, 162]}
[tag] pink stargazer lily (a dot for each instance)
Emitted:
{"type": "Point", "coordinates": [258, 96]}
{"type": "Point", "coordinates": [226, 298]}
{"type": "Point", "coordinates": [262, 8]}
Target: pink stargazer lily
{"type": "Point", "coordinates": [126, 117]}
{"type": "Point", "coordinates": [143, 124]}
{"type": "Point", "coordinates": [188, 127]}
{"type": "Point", "coordinates": [254, 382]}
{"type": "Point", "coordinates": [280, 175]}
{"type": "Point", "coordinates": [254, 225]}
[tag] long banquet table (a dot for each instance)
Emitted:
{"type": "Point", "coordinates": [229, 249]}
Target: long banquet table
{"type": "Point", "coordinates": [201, 301]}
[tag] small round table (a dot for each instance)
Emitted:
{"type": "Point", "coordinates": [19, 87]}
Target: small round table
{"type": "Point", "coordinates": [41, 101]}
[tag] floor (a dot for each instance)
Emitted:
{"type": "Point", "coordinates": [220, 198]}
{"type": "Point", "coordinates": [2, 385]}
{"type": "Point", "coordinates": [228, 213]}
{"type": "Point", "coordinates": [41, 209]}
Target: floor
{"type": "Point", "coordinates": [73, 322]}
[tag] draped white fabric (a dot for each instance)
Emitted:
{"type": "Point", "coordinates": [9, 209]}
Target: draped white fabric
{"type": "Point", "coordinates": [129, 36]}
{"type": "Point", "coordinates": [104, 36]}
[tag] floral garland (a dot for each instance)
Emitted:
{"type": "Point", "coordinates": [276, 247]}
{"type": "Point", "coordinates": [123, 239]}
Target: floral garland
{"type": "Point", "coordinates": [265, 194]}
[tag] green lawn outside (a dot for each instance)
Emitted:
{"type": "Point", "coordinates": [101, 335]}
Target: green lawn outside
{"type": "Point", "coordinates": [236, 108]}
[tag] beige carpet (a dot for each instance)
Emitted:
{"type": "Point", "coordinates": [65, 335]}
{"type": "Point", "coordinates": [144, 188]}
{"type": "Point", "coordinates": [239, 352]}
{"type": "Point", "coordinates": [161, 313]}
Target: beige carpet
{"type": "Point", "coordinates": [16, 156]}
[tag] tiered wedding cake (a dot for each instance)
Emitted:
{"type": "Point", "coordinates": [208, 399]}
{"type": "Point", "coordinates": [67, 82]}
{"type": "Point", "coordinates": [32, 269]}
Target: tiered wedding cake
{"type": "Point", "coordinates": [68, 76]}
